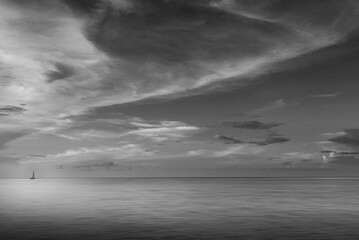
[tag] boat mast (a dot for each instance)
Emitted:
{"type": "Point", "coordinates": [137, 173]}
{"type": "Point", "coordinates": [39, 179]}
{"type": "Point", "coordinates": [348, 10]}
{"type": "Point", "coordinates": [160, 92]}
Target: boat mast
{"type": "Point", "coordinates": [33, 175]}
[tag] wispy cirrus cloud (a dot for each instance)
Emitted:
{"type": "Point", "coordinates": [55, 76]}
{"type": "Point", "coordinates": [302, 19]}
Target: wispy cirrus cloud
{"type": "Point", "coordinates": [164, 130]}
{"type": "Point", "coordinates": [325, 95]}
{"type": "Point", "coordinates": [99, 154]}
{"type": "Point", "coordinates": [333, 134]}
{"type": "Point", "coordinates": [238, 150]}
{"type": "Point", "coordinates": [96, 127]}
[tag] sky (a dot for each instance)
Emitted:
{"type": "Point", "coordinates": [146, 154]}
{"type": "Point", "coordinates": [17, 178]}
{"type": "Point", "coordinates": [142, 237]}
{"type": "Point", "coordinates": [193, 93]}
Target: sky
{"type": "Point", "coordinates": [179, 88]}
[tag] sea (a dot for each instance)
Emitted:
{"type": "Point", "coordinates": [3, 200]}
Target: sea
{"type": "Point", "coordinates": [180, 208]}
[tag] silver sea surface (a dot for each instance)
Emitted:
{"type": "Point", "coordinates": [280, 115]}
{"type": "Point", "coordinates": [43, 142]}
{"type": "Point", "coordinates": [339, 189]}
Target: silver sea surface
{"type": "Point", "coordinates": [179, 208]}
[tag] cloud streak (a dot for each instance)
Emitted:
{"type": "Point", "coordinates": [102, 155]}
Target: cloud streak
{"type": "Point", "coordinates": [252, 125]}
{"type": "Point", "coordinates": [81, 156]}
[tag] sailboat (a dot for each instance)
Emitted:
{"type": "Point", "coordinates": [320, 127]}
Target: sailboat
{"type": "Point", "coordinates": [33, 175]}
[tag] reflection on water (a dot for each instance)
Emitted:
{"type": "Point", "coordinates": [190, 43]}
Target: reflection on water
{"type": "Point", "coordinates": [190, 208]}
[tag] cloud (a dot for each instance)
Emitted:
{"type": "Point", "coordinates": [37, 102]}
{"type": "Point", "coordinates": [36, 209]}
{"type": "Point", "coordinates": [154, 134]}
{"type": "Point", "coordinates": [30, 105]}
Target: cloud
{"type": "Point", "coordinates": [38, 37]}
{"type": "Point", "coordinates": [8, 110]}
{"type": "Point", "coordinates": [199, 152]}
{"type": "Point", "coordinates": [341, 157]}
{"type": "Point", "coordinates": [65, 57]}
{"type": "Point", "coordinates": [164, 130]}
{"type": "Point", "coordinates": [96, 126]}
{"type": "Point", "coordinates": [334, 134]}
{"type": "Point", "coordinates": [105, 164]}
{"type": "Point", "coordinates": [349, 139]}
{"type": "Point", "coordinates": [144, 41]}
{"type": "Point", "coordinates": [186, 22]}
{"type": "Point", "coordinates": [229, 140]}
{"type": "Point", "coordinates": [112, 52]}
{"type": "Point", "coordinates": [348, 153]}
{"type": "Point", "coordinates": [270, 139]}
{"type": "Point", "coordinates": [327, 151]}
{"type": "Point", "coordinates": [61, 71]}
{"type": "Point", "coordinates": [238, 150]}
{"type": "Point", "coordinates": [90, 156]}
{"type": "Point", "coordinates": [253, 125]}
{"type": "Point", "coordinates": [339, 153]}
{"type": "Point", "coordinates": [328, 95]}
{"type": "Point", "coordinates": [336, 18]}
{"type": "Point", "coordinates": [301, 160]}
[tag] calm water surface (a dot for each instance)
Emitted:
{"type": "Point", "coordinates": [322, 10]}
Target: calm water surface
{"type": "Point", "coordinates": [180, 208]}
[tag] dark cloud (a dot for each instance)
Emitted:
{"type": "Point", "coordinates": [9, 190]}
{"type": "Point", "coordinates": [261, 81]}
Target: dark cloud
{"type": "Point", "coordinates": [349, 139]}
{"type": "Point", "coordinates": [178, 31]}
{"type": "Point", "coordinates": [328, 151]}
{"type": "Point", "coordinates": [171, 46]}
{"type": "Point", "coordinates": [271, 139]}
{"type": "Point", "coordinates": [229, 140]}
{"type": "Point", "coordinates": [61, 71]}
{"type": "Point", "coordinates": [348, 153]}
{"type": "Point", "coordinates": [8, 110]}
{"type": "Point", "coordinates": [253, 125]}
